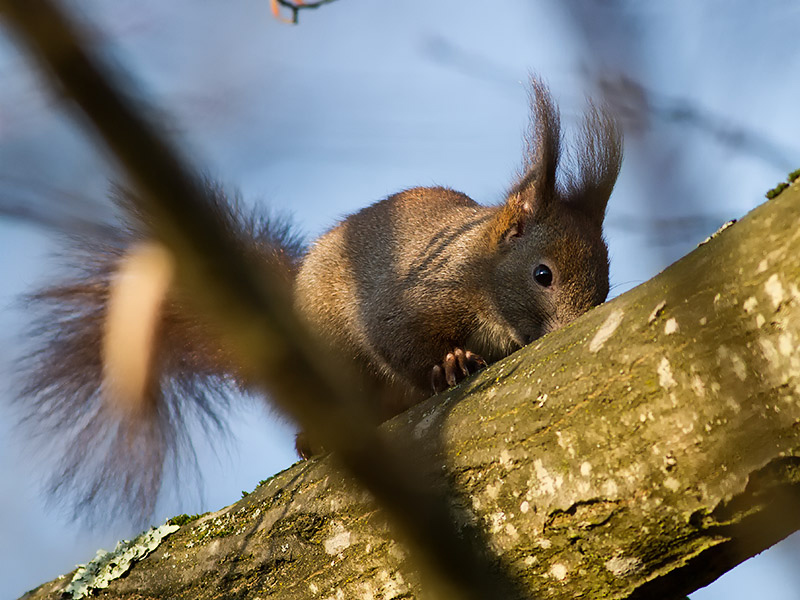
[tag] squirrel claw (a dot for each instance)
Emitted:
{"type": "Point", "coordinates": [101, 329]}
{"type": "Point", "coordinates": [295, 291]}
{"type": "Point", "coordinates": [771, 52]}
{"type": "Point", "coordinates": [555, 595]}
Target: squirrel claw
{"type": "Point", "coordinates": [457, 365]}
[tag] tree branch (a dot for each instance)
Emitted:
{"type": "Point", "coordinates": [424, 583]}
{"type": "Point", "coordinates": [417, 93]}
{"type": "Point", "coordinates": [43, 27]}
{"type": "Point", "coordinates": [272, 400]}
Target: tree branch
{"type": "Point", "coordinates": [639, 453]}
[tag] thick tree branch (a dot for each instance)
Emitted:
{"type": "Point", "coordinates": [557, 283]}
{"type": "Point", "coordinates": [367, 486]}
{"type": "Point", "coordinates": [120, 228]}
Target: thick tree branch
{"type": "Point", "coordinates": [639, 453]}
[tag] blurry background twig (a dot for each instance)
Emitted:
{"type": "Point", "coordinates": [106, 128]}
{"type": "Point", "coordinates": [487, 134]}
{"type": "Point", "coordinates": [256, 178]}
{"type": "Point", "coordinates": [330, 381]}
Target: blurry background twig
{"type": "Point", "coordinates": [295, 6]}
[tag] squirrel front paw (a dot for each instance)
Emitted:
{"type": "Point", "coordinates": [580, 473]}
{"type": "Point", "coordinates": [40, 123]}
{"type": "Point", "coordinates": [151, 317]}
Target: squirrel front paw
{"type": "Point", "coordinates": [457, 365]}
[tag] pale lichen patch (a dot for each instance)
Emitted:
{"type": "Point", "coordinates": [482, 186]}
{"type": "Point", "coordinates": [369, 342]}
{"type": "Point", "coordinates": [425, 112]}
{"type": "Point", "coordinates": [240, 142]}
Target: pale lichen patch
{"type": "Point", "coordinates": [565, 444]}
{"type": "Point", "coordinates": [724, 355]}
{"type": "Point", "coordinates": [671, 326]}
{"type": "Point", "coordinates": [338, 542]}
{"type": "Point", "coordinates": [338, 594]}
{"type": "Point", "coordinates": [505, 459]}
{"type": "Point", "coordinates": [665, 378]}
{"type": "Point", "coordinates": [367, 592]}
{"type": "Point", "coordinates": [786, 344]}
{"type": "Point", "coordinates": [698, 387]}
{"type": "Point", "coordinates": [496, 521]}
{"type": "Point", "coordinates": [774, 289]}
{"type": "Point", "coordinates": [672, 484]}
{"type": "Point", "coordinates": [493, 489]}
{"type": "Point", "coordinates": [548, 484]}
{"type": "Point", "coordinates": [393, 585]}
{"type": "Point", "coordinates": [511, 531]}
{"type": "Point", "coordinates": [610, 488]}
{"type": "Point", "coordinates": [586, 469]}
{"type": "Point", "coordinates": [558, 571]}
{"type": "Point", "coordinates": [739, 366]}
{"type": "Point", "coordinates": [606, 330]}
{"type": "Point", "coordinates": [770, 352]}
{"type": "Point", "coordinates": [750, 304]}
{"type": "Point", "coordinates": [623, 565]}
{"type": "Point", "coordinates": [108, 566]}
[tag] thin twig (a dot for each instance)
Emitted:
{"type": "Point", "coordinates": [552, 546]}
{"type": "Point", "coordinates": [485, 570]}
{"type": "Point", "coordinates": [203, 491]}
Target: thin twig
{"type": "Point", "coordinates": [296, 6]}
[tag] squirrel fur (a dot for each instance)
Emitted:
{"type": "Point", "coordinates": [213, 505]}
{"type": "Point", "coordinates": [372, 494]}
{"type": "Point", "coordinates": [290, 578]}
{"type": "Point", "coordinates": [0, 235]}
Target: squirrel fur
{"type": "Point", "coordinates": [420, 290]}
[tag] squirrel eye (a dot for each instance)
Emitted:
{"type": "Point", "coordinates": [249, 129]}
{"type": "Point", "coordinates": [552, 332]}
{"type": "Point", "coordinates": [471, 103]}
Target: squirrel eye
{"type": "Point", "coordinates": [543, 275]}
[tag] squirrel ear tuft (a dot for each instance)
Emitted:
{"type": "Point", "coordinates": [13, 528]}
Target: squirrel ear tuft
{"type": "Point", "coordinates": [599, 157]}
{"type": "Point", "coordinates": [537, 181]}
{"type": "Point", "coordinates": [535, 189]}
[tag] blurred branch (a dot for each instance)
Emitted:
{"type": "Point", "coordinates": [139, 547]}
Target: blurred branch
{"type": "Point", "coordinates": [667, 231]}
{"type": "Point", "coordinates": [631, 101]}
{"type": "Point", "coordinates": [39, 204]}
{"type": "Point", "coordinates": [467, 61]}
{"type": "Point", "coordinates": [253, 307]}
{"type": "Point", "coordinates": [295, 6]}
{"type": "Point", "coordinates": [636, 105]}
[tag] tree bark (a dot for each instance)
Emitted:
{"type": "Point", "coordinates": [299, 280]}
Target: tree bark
{"type": "Point", "coordinates": [638, 453]}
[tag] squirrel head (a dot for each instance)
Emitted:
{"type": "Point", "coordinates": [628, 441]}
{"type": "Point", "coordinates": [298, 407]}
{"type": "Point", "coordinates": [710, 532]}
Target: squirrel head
{"type": "Point", "coordinates": [551, 261]}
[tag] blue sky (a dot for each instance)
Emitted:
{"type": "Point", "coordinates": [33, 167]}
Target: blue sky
{"type": "Point", "coordinates": [363, 99]}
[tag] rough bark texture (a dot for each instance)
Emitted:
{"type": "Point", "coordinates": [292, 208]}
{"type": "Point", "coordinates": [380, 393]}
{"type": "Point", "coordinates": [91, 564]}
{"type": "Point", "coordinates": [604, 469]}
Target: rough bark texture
{"type": "Point", "coordinates": [639, 453]}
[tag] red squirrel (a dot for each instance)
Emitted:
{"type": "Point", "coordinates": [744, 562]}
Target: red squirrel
{"type": "Point", "coordinates": [420, 289]}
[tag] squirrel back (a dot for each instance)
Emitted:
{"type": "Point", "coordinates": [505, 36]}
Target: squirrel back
{"type": "Point", "coordinates": [420, 289]}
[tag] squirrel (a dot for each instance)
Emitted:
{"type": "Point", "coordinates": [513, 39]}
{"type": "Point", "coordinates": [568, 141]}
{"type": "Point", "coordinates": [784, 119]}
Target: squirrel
{"type": "Point", "coordinates": [421, 289]}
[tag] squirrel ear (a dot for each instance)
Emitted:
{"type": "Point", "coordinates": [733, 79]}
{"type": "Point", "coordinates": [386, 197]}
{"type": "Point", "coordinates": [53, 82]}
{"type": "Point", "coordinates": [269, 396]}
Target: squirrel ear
{"type": "Point", "coordinates": [511, 220]}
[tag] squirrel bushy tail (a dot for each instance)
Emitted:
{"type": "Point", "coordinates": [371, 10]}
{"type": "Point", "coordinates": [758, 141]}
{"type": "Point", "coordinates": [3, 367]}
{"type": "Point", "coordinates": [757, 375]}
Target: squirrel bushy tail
{"type": "Point", "coordinates": [114, 456]}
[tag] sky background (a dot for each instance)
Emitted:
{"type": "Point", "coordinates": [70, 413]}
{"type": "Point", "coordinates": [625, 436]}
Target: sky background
{"type": "Point", "coordinates": [361, 100]}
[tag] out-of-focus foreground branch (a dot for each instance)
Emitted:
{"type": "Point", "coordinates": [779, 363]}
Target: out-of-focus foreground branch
{"type": "Point", "coordinates": [638, 453]}
{"type": "Point", "coordinates": [253, 308]}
